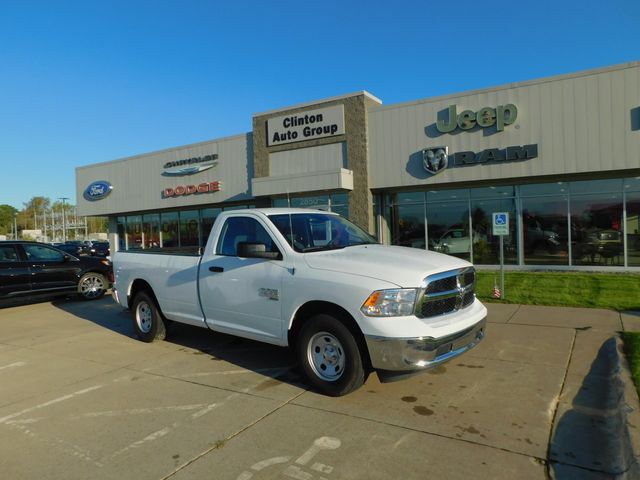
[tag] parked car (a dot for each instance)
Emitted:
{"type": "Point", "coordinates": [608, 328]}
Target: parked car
{"type": "Point", "coordinates": [29, 269]}
{"type": "Point", "coordinates": [72, 248]}
{"type": "Point", "coordinates": [99, 249]}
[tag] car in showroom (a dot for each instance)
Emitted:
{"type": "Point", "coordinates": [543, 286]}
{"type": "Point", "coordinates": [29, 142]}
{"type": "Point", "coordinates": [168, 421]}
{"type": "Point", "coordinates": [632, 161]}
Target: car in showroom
{"type": "Point", "coordinates": [456, 241]}
{"type": "Point", "coordinates": [32, 269]}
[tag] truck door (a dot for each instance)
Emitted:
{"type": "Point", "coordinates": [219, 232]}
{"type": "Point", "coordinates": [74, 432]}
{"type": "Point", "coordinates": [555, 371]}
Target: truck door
{"type": "Point", "coordinates": [243, 295]}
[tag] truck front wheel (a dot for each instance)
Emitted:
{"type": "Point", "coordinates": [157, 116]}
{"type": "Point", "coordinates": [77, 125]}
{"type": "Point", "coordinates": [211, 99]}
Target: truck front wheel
{"type": "Point", "coordinates": [147, 319]}
{"type": "Point", "coordinates": [329, 356]}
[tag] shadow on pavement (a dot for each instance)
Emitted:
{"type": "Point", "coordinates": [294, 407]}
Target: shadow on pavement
{"type": "Point", "coordinates": [267, 360]}
{"type": "Point", "coordinates": [591, 439]}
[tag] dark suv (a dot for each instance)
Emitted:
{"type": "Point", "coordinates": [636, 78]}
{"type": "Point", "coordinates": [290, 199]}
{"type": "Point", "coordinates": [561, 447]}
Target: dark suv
{"type": "Point", "coordinates": [30, 269]}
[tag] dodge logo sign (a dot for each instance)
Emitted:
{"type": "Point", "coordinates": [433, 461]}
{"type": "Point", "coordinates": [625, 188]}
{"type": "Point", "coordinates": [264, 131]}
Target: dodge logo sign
{"type": "Point", "coordinates": [97, 190]}
{"type": "Point", "coordinates": [435, 159]}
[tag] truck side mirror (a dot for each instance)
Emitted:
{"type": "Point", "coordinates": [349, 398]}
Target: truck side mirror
{"type": "Point", "coordinates": [256, 250]}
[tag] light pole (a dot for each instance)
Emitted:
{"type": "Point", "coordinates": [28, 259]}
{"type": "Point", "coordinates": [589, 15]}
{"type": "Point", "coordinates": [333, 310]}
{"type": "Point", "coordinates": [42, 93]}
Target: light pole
{"type": "Point", "coordinates": [15, 226]}
{"type": "Point", "coordinates": [64, 219]}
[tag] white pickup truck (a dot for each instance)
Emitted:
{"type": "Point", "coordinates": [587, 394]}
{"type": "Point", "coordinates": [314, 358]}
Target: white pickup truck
{"type": "Point", "coordinates": [313, 281]}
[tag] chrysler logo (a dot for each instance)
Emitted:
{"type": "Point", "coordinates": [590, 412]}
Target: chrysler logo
{"type": "Point", "coordinates": [97, 190]}
{"type": "Point", "coordinates": [435, 159]}
{"type": "Point", "coordinates": [189, 166]}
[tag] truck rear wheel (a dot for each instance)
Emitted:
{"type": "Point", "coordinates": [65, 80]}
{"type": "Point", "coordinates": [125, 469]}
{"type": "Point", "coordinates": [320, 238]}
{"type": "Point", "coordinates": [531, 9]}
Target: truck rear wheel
{"type": "Point", "coordinates": [147, 319]}
{"type": "Point", "coordinates": [329, 355]}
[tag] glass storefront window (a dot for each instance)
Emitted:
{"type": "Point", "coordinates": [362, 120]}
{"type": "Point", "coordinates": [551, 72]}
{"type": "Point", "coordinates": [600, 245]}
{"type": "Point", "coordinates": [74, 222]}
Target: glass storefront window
{"type": "Point", "coordinates": [189, 228]}
{"type": "Point", "coordinates": [208, 216]}
{"type": "Point", "coordinates": [134, 232]}
{"type": "Point", "coordinates": [556, 188]}
{"type": "Point", "coordinates": [169, 231]}
{"type": "Point", "coordinates": [409, 226]}
{"type": "Point", "coordinates": [442, 195]}
{"type": "Point", "coordinates": [321, 202]}
{"type": "Point", "coordinates": [280, 203]}
{"type": "Point", "coordinates": [492, 192]}
{"type": "Point", "coordinates": [122, 235]}
{"type": "Point", "coordinates": [486, 246]}
{"type": "Point", "coordinates": [633, 229]}
{"type": "Point", "coordinates": [409, 197]}
{"type": "Point", "coordinates": [544, 230]}
{"type": "Point", "coordinates": [632, 184]}
{"type": "Point", "coordinates": [448, 228]}
{"type": "Point", "coordinates": [151, 230]}
{"type": "Point", "coordinates": [596, 229]}
{"type": "Point", "coordinates": [599, 186]}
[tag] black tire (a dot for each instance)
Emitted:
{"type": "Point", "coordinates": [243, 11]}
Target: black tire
{"type": "Point", "coordinates": [329, 356]}
{"type": "Point", "coordinates": [92, 286]}
{"type": "Point", "coordinates": [148, 322]}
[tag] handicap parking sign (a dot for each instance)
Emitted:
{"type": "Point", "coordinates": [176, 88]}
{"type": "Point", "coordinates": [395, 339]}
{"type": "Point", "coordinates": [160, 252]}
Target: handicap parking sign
{"type": "Point", "coordinates": [501, 223]}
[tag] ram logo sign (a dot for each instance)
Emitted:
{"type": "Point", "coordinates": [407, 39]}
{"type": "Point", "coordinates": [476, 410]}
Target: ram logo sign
{"type": "Point", "coordinates": [97, 190]}
{"type": "Point", "coordinates": [435, 159]}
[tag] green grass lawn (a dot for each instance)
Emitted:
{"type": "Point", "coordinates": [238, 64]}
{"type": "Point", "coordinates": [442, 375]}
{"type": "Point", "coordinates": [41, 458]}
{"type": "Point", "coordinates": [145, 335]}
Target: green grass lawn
{"type": "Point", "coordinates": [632, 351]}
{"type": "Point", "coordinates": [595, 290]}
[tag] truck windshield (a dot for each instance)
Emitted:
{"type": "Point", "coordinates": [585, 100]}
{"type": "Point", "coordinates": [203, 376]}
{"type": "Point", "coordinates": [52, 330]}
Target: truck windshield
{"type": "Point", "coordinates": [313, 232]}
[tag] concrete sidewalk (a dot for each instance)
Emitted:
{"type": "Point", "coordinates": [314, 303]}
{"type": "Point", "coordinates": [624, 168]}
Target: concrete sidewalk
{"type": "Point", "coordinates": [597, 414]}
{"type": "Point", "coordinates": [546, 394]}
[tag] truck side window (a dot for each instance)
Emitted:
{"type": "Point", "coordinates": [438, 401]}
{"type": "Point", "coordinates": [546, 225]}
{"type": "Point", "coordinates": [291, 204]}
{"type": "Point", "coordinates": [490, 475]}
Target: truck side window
{"type": "Point", "coordinates": [242, 229]}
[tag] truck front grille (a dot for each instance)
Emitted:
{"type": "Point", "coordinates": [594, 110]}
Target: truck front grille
{"type": "Point", "coordinates": [446, 292]}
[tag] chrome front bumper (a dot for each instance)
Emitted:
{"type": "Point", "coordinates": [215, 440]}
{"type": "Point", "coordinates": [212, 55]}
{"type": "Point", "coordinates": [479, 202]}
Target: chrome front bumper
{"type": "Point", "coordinates": [410, 355]}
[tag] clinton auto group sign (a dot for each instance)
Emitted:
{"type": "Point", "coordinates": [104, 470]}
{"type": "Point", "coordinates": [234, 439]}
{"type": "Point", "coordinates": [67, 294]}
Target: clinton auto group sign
{"type": "Point", "coordinates": [309, 125]}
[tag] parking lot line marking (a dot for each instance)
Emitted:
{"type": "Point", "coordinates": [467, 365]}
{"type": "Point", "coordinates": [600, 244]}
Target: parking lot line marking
{"type": "Point", "coordinates": [73, 449]}
{"type": "Point", "coordinates": [139, 411]}
{"type": "Point", "coordinates": [50, 402]}
{"type": "Point", "coordinates": [204, 411]}
{"type": "Point", "coordinates": [13, 365]}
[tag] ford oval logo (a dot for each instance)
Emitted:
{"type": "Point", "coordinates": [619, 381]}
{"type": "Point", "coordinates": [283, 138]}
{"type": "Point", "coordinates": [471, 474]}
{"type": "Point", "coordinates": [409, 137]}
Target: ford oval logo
{"type": "Point", "coordinates": [98, 190]}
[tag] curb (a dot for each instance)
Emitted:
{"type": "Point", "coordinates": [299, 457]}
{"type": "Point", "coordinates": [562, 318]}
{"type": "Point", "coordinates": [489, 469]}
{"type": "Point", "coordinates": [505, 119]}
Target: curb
{"type": "Point", "coordinates": [629, 416]}
{"type": "Point", "coordinates": [598, 434]}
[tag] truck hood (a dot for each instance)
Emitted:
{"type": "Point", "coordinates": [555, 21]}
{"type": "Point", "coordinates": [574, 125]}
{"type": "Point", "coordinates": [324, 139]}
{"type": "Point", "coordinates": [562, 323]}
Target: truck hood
{"type": "Point", "coordinates": [403, 266]}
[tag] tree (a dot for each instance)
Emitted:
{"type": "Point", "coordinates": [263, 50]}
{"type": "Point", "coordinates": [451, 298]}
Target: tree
{"type": "Point", "coordinates": [7, 213]}
{"type": "Point", "coordinates": [35, 208]}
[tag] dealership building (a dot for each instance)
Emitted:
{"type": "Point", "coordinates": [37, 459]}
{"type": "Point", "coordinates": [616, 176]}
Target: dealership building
{"type": "Point", "coordinates": [560, 155]}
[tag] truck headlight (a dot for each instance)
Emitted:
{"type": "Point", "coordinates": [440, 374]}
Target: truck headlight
{"type": "Point", "coordinates": [396, 302]}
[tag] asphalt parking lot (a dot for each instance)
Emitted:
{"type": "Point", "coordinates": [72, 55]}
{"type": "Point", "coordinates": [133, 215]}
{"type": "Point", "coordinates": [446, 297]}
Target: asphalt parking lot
{"type": "Point", "coordinates": [81, 398]}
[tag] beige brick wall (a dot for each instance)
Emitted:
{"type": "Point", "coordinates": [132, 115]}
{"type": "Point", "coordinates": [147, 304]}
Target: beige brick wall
{"type": "Point", "coordinates": [356, 138]}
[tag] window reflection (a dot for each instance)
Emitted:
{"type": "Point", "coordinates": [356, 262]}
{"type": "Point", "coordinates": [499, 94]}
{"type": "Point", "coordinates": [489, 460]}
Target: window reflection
{"type": "Point", "coordinates": [134, 232]}
{"type": "Point", "coordinates": [408, 226]}
{"type": "Point", "coordinates": [596, 230]}
{"type": "Point", "coordinates": [633, 228]}
{"type": "Point", "coordinates": [151, 230]}
{"type": "Point", "coordinates": [448, 228]}
{"type": "Point", "coordinates": [486, 246]}
{"type": "Point", "coordinates": [209, 216]}
{"type": "Point", "coordinates": [169, 232]}
{"type": "Point", "coordinates": [544, 230]}
{"type": "Point", "coordinates": [189, 229]}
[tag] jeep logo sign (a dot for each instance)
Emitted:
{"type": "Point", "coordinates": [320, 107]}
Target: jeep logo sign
{"type": "Point", "coordinates": [500, 116]}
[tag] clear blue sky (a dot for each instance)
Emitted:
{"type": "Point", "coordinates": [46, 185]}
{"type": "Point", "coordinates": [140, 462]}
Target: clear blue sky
{"type": "Point", "coordinates": [87, 81]}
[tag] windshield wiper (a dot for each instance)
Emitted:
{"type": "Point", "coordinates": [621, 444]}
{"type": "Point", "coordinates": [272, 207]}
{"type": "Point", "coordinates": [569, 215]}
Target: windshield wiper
{"type": "Point", "coordinates": [323, 247]}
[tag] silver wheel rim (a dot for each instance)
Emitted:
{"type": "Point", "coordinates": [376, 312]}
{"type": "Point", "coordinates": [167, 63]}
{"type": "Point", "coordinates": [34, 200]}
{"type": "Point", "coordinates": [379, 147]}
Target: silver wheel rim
{"type": "Point", "coordinates": [92, 286]}
{"type": "Point", "coordinates": [144, 317]}
{"type": "Point", "coordinates": [326, 356]}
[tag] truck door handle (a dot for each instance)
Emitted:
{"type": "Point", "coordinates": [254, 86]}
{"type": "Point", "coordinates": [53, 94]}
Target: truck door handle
{"type": "Point", "coordinates": [216, 269]}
